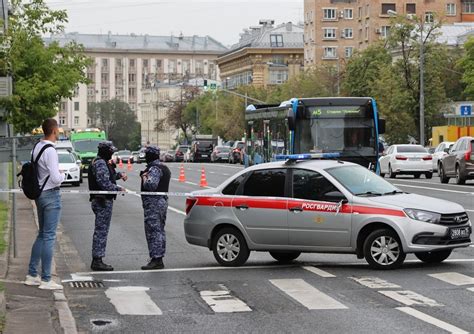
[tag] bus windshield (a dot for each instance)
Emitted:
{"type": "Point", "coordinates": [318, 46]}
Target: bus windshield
{"type": "Point", "coordinates": [86, 145]}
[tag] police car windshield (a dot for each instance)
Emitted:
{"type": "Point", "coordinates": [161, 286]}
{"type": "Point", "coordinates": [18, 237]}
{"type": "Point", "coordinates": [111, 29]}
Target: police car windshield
{"type": "Point", "coordinates": [362, 182]}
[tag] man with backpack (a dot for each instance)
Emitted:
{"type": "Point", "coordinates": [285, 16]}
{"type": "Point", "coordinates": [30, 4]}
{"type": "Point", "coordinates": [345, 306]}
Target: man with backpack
{"type": "Point", "coordinates": [45, 190]}
{"type": "Point", "coordinates": [102, 176]}
{"type": "Point", "coordinates": [155, 178]}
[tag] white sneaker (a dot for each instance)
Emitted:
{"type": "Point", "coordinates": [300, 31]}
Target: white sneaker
{"type": "Point", "coordinates": [51, 285]}
{"type": "Point", "coordinates": [32, 281]}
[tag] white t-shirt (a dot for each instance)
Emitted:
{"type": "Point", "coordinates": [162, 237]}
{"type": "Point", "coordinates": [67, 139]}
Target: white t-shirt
{"type": "Point", "coordinates": [48, 165]}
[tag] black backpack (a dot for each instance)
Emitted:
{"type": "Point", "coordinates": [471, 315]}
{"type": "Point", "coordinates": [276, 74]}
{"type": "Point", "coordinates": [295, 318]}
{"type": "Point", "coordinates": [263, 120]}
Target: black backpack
{"type": "Point", "coordinates": [29, 175]}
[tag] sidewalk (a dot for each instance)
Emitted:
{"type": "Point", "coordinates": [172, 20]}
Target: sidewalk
{"type": "Point", "coordinates": [29, 309]}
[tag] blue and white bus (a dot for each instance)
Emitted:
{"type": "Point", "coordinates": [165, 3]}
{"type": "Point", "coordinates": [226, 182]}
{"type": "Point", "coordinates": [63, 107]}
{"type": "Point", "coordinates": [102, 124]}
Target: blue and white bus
{"type": "Point", "coordinates": [349, 126]}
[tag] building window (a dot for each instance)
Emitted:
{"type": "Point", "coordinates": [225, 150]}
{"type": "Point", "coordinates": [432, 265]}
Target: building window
{"type": "Point", "coordinates": [348, 51]}
{"type": "Point", "coordinates": [468, 7]}
{"type": "Point", "coordinates": [131, 63]}
{"type": "Point", "coordinates": [145, 63]}
{"type": "Point", "coordinates": [158, 63]}
{"type": "Point", "coordinates": [360, 13]}
{"type": "Point", "coordinates": [329, 33]}
{"type": "Point", "coordinates": [118, 62]}
{"type": "Point", "coordinates": [105, 62]}
{"type": "Point", "coordinates": [330, 53]}
{"type": "Point", "coordinates": [186, 67]}
{"type": "Point", "coordinates": [385, 31]}
{"type": "Point", "coordinates": [348, 14]}
{"type": "Point", "coordinates": [329, 13]}
{"type": "Point", "coordinates": [388, 6]}
{"type": "Point", "coordinates": [62, 120]}
{"type": "Point", "coordinates": [118, 78]}
{"type": "Point", "coordinates": [347, 33]}
{"type": "Point", "coordinates": [367, 33]}
{"type": "Point", "coordinates": [172, 66]}
{"type": "Point", "coordinates": [367, 11]}
{"type": "Point", "coordinates": [429, 17]}
{"type": "Point", "coordinates": [76, 91]}
{"type": "Point", "coordinates": [451, 9]}
{"type": "Point", "coordinates": [132, 77]}
{"type": "Point", "coordinates": [132, 92]}
{"type": "Point", "coordinates": [76, 106]}
{"type": "Point", "coordinates": [76, 120]}
{"type": "Point", "coordinates": [119, 92]}
{"type": "Point", "coordinates": [91, 77]}
{"type": "Point", "coordinates": [104, 78]}
{"type": "Point", "coordinates": [278, 77]}
{"type": "Point", "coordinates": [411, 8]}
{"type": "Point", "coordinates": [105, 92]}
{"type": "Point", "coordinates": [90, 91]}
{"type": "Point", "coordinates": [199, 67]}
{"type": "Point", "coordinates": [276, 41]}
{"type": "Point", "coordinates": [63, 107]}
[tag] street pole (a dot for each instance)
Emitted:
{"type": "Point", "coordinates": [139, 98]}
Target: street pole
{"type": "Point", "coordinates": [422, 87]}
{"type": "Point", "coordinates": [14, 158]}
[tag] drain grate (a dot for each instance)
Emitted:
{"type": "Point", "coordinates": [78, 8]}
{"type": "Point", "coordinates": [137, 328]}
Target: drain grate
{"type": "Point", "coordinates": [86, 284]}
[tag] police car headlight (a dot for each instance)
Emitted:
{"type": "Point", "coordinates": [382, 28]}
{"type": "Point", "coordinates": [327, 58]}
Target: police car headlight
{"type": "Point", "coordinates": [75, 169]}
{"type": "Point", "coordinates": [424, 216]}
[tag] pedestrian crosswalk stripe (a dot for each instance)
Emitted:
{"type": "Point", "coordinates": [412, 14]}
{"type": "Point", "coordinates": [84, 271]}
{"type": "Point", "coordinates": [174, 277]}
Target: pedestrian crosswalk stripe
{"type": "Point", "coordinates": [132, 300]}
{"type": "Point", "coordinates": [221, 301]}
{"type": "Point", "coordinates": [307, 295]}
{"type": "Point", "coordinates": [410, 298]}
{"type": "Point", "coordinates": [318, 271]}
{"type": "Point", "coordinates": [375, 283]}
{"type": "Point", "coordinates": [454, 278]}
{"type": "Point", "coordinates": [433, 321]}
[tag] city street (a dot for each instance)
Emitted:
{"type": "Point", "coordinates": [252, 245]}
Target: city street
{"type": "Point", "coordinates": [317, 293]}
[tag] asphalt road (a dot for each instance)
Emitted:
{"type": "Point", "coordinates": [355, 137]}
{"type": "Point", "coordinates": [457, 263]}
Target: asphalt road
{"type": "Point", "coordinates": [320, 293]}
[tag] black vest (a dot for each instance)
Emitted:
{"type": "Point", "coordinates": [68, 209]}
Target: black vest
{"type": "Point", "coordinates": [164, 184]}
{"type": "Point", "coordinates": [93, 185]}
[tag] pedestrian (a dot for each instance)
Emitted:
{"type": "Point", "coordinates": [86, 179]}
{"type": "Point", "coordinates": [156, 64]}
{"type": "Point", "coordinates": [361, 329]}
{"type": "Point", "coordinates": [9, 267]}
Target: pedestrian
{"type": "Point", "coordinates": [155, 178]}
{"type": "Point", "coordinates": [103, 176]}
{"type": "Point", "coordinates": [48, 206]}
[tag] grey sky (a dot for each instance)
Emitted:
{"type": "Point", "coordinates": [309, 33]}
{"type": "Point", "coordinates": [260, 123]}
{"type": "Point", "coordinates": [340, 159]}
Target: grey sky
{"type": "Point", "coordinates": [222, 20]}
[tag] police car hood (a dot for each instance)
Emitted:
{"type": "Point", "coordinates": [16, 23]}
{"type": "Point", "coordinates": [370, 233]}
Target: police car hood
{"type": "Point", "coordinates": [413, 201]}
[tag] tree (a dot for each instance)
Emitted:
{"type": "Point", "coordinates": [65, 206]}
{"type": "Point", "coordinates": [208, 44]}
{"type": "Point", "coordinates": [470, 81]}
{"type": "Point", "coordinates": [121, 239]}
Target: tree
{"type": "Point", "coordinates": [466, 63]}
{"type": "Point", "coordinates": [119, 122]}
{"type": "Point", "coordinates": [177, 117]}
{"type": "Point", "coordinates": [42, 74]}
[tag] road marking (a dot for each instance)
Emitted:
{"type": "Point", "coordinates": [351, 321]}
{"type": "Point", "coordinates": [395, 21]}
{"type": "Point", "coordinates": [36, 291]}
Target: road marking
{"type": "Point", "coordinates": [169, 207]}
{"type": "Point", "coordinates": [375, 283]}
{"type": "Point", "coordinates": [132, 300]}
{"type": "Point", "coordinates": [410, 298]}
{"type": "Point", "coordinates": [454, 278]}
{"type": "Point", "coordinates": [445, 190]}
{"type": "Point", "coordinates": [191, 183]}
{"type": "Point", "coordinates": [471, 289]}
{"type": "Point", "coordinates": [429, 319]}
{"type": "Point", "coordinates": [221, 301]}
{"type": "Point", "coordinates": [318, 271]}
{"type": "Point", "coordinates": [307, 295]}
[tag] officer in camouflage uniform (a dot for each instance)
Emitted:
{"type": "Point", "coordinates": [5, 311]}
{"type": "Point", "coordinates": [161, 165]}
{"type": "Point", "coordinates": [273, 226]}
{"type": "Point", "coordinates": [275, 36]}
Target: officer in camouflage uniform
{"type": "Point", "coordinates": [156, 178]}
{"type": "Point", "coordinates": [102, 176]}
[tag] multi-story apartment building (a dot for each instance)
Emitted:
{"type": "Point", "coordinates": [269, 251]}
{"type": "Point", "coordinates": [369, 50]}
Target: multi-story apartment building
{"type": "Point", "coordinates": [334, 29]}
{"type": "Point", "coordinates": [265, 55]}
{"type": "Point", "coordinates": [124, 65]}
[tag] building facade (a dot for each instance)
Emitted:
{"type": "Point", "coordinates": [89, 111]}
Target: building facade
{"type": "Point", "coordinates": [123, 66]}
{"type": "Point", "coordinates": [334, 29]}
{"type": "Point", "coordinates": [265, 55]}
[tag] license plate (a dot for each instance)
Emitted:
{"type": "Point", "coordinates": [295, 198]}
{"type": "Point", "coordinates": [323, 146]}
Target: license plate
{"type": "Point", "coordinates": [460, 233]}
{"type": "Point", "coordinates": [204, 156]}
{"type": "Point", "coordinates": [414, 159]}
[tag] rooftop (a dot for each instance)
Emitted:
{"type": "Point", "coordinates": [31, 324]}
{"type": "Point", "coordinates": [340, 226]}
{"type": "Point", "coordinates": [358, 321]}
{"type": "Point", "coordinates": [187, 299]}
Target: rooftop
{"type": "Point", "coordinates": [455, 34]}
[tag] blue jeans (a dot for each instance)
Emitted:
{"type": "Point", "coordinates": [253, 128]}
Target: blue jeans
{"type": "Point", "coordinates": [49, 211]}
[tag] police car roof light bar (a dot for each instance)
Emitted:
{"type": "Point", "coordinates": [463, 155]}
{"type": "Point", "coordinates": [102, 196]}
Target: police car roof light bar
{"type": "Point", "coordinates": [307, 156]}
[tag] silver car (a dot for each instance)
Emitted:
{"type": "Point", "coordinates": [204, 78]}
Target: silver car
{"type": "Point", "coordinates": [322, 206]}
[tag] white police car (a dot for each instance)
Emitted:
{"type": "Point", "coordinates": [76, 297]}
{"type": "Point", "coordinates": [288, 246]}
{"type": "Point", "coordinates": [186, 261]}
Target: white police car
{"type": "Point", "coordinates": [322, 206]}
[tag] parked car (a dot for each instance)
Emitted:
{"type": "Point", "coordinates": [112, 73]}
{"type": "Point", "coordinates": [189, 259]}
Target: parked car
{"type": "Point", "coordinates": [201, 151]}
{"type": "Point", "coordinates": [167, 156]}
{"type": "Point", "coordinates": [458, 162]}
{"type": "Point", "coordinates": [135, 157]}
{"type": "Point", "coordinates": [76, 158]}
{"type": "Point", "coordinates": [123, 155]}
{"type": "Point", "coordinates": [439, 152]}
{"type": "Point", "coordinates": [180, 152]}
{"type": "Point", "coordinates": [70, 166]}
{"type": "Point", "coordinates": [236, 153]}
{"type": "Point", "coordinates": [220, 153]}
{"type": "Point", "coordinates": [141, 155]}
{"type": "Point", "coordinates": [406, 159]}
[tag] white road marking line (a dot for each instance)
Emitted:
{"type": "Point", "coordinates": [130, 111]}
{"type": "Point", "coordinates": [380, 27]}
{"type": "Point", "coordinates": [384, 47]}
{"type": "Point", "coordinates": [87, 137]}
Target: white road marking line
{"type": "Point", "coordinates": [78, 278]}
{"type": "Point", "coordinates": [221, 301]}
{"type": "Point", "coordinates": [318, 271]}
{"type": "Point", "coordinates": [410, 298]}
{"type": "Point", "coordinates": [428, 188]}
{"type": "Point", "coordinates": [454, 278]}
{"type": "Point", "coordinates": [307, 295]}
{"type": "Point", "coordinates": [169, 207]}
{"type": "Point", "coordinates": [191, 183]}
{"type": "Point", "coordinates": [132, 300]}
{"type": "Point", "coordinates": [471, 289]}
{"type": "Point", "coordinates": [429, 319]}
{"type": "Point", "coordinates": [375, 283]}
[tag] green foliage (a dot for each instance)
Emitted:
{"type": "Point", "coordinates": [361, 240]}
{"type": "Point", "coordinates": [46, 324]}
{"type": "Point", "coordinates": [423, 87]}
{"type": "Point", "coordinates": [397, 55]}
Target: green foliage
{"type": "Point", "coordinates": [466, 63]}
{"type": "Point", "coordinates": [42, 74]}
{"type": "Point", "coordinates": [119, 122]}
{"type": "Point", "coordinates": [3, 225]}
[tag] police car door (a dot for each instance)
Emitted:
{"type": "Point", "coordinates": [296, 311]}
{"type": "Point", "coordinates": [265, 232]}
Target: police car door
{"type": "Point", "coordinates": [316, 215]}
{"type": "Point", "coordinates": [262, 207]}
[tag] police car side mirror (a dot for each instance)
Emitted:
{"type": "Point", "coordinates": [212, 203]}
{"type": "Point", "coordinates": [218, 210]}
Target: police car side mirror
{"type": "Point", "coordinates": [78, 162]}
{"type": "Point", "coordinates": [335, 196]}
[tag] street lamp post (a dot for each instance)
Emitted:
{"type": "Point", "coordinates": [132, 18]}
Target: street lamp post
{"type": "Point", "coordinates": [422, 79]}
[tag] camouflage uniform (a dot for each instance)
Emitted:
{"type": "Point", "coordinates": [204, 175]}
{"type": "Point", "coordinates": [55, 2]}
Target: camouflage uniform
{"type": "Point", "coordinates": [102, 206]}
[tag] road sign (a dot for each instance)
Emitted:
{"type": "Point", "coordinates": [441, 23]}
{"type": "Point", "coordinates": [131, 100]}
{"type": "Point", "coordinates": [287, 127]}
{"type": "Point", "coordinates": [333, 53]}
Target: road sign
{"type": "Point", "coordinates": [213, 86]}
{"type": "Point", "coordinates": [465, 109]}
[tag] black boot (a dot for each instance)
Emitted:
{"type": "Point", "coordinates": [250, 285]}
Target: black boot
{"type": "Point", "coordinates": [98, 265]}
{"type": "Point", "coordinates": [155, 263]}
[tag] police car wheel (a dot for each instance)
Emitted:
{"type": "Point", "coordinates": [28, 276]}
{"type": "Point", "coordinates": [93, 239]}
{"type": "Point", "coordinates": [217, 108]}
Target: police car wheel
{"type": "Point", "coordinates": [285, 257]}
{"type": "Point", "coordinates": [229, 247]}
{"type": "Point", "coordinates": [383, 250]}
{"type": "Point", "coordinates": [434, 257]}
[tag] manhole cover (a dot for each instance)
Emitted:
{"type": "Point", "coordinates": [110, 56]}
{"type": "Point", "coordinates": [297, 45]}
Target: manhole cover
{"type": "Point", "coordinates": [86, 284]}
